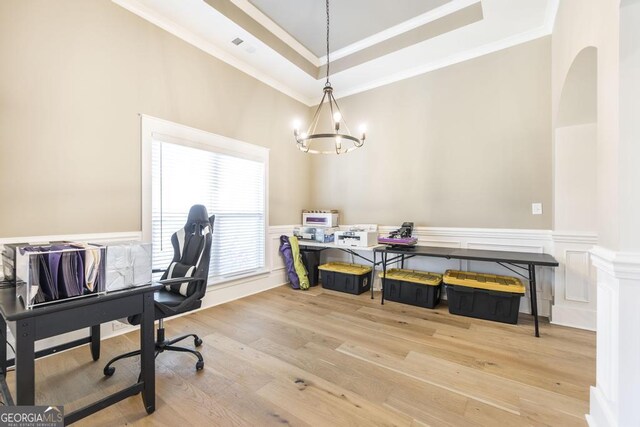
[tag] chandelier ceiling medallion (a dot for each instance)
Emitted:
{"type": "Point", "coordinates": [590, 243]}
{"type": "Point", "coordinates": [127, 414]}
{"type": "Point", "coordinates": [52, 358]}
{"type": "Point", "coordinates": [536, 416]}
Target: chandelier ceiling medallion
{"type": "Point", "coordinates": [334, 141]}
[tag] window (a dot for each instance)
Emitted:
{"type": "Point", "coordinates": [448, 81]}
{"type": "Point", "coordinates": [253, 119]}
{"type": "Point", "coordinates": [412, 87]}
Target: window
{"type": "Point", "coordinates": [190, 167]}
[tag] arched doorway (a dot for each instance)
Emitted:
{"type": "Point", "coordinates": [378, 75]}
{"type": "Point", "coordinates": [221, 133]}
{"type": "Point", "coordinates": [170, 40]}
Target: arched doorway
{"type": "Point", "coordinates": [575, 189]}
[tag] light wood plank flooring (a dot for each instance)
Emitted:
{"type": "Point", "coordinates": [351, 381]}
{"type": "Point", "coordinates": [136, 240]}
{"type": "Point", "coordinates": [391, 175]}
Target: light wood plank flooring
{"type": "Point", "coordinates": [326, 358]}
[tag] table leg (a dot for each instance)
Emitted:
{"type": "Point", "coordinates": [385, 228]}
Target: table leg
{"type": "Point", "coordinates": [534, 297]}
{"type": "Point", "coordinates": [402, 261]}
{"type": "Point", "coordinates": [25, 362]}
{"type": "Point", "coordinates": [3, 347]}
{"type": "Point", "coordinates": [95, 342]}
{"type": "Point", "coordinates": [373, 273]}
{"type": "Point", "coordinates": [147, 359]}
{"type": "Point", "coordinates": [384, 275]}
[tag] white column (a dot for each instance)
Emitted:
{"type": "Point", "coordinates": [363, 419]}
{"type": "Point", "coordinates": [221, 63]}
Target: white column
{"type": "Point", "coordinates": [615, 400]}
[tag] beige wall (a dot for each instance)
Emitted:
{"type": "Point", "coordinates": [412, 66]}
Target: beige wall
{"type": "Point", "coordinates": [74, 76]}
{"type": "Point", "coordinates": [465, 146]}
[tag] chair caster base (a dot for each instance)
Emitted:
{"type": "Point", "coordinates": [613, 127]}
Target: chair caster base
{"type": "Point", "coordinates": [199, 365]}
{"type": "Point", "coordinates": [197, 342]}
{"type": "Point", "coordinates": [108, 371]}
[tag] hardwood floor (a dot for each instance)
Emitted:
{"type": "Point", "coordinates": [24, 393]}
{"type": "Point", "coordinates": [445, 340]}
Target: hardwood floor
{"type": "Point", "coordinates": [326, 358]}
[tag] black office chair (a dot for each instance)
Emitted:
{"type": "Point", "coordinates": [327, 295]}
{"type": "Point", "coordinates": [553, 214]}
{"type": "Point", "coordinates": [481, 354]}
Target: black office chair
{"type": "Point", "coordinates": [185, 283]}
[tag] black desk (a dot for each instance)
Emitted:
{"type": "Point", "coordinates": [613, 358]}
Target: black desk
{"type": "Point", "coordinates": [28, 326]}
{"type": "Point", "coordinates": [510, 260]}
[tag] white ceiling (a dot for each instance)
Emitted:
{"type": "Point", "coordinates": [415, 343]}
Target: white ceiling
{"type": "Point", "coordinates": [504, 23]}
{"type": "Point", "coordinates": [351, 20]}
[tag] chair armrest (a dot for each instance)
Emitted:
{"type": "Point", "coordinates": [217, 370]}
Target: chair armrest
{"type": "Point", "coordinates": [176, 280]}
{"type": "Point", "coordinates": [158, 270]}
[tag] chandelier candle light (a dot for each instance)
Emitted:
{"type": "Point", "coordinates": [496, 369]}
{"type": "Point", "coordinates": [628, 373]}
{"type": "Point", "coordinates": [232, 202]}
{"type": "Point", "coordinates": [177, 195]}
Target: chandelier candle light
{"type": "Point", "coordinates": [341, 141]}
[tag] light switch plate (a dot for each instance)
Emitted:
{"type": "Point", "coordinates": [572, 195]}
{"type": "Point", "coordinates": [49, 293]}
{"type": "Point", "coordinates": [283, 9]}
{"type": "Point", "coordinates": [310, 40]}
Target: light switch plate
{"type": "Point", "coordinates": [536, 208]}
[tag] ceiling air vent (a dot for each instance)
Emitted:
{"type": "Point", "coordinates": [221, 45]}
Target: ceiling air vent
{"type": "Point", "coordinates": [237, 41]}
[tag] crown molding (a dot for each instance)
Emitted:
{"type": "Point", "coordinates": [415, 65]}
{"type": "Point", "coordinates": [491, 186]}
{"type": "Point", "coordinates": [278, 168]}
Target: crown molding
{"type": "Point", "coordinates": [190, 37]}
{"type": "Point", "coordinates": [401, 28]}
{"type": "Point", "coordinates": [210, 48]}
{"type": "Point", "coordinates": [276, 30]}
{"type": "Point", "coordinates": [467, 55]}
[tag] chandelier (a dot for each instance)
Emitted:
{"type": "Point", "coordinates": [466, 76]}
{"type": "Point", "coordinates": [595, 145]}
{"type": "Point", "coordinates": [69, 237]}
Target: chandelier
{"type": "Point", "coordinates": [339, 137]}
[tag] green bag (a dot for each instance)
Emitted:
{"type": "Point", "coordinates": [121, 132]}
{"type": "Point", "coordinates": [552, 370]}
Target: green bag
{"type": "Point", "coordinates": [297, 262]}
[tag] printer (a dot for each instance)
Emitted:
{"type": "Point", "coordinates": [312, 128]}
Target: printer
{"type": "Point", "coordinates": [319, 218]}
{"type": "Point", "coordinates": [316, 234]}
{"type": "Point", "coordinates": [358, 236]}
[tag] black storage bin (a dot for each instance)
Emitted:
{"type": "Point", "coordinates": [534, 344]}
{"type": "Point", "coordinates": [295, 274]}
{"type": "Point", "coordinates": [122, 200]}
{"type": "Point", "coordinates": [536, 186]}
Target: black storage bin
{"type": "Point", "coordinates": [350, 278]}
{"type": "Point", "coordinates": [475, 295]}
{"type": "Point", "coordinates": [417, 288]}
{"type": "Point", "coordinates": [311, 261]}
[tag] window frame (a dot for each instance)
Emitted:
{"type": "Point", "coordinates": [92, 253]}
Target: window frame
{"type": "Point", "coordinates": [154, 128]}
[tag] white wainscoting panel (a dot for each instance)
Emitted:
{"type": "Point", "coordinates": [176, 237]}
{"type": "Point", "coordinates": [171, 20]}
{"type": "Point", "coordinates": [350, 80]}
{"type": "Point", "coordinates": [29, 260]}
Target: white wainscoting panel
{"type": "Point", "coordinates": [575, 308]}
{"type": "Point", "coordinates": [216, 294]}
{"type": "Point", "coordinates": [577, 276]}
{"type": "Point", "coordinates": [575, 285]}
{"type": "Point", "coordinates": [537, 241]}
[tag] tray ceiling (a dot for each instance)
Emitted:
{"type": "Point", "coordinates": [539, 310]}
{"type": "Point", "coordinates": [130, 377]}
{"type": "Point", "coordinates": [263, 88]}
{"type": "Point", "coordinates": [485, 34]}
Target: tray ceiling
{"type": "Point", "coordinates": [373, 44]}
{"type": "Point", "coordinates": [351, 20]}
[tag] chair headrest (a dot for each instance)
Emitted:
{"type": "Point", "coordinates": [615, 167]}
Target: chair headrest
{"type": "Point", "coordinates": [197, 220]}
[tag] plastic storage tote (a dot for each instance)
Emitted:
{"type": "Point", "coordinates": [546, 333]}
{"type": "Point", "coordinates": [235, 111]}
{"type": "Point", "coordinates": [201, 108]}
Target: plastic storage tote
{"type": "Point", "coordinates": [419, 288]}
{"type": "Point", "coordinates": [311, 261]}
{"type": "Point", "coordinates": [350, 278]}
{"type": "Point", "coordinates": [484, 296]}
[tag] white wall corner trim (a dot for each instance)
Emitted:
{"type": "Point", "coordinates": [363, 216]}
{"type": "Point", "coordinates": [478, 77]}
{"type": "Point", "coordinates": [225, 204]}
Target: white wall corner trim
{"type": "Point", "coordinates": [614, 398]}
{"type": "Point", "coordinates": [621, 265]}
{"type": "Point", "coordinates": [550, 16]}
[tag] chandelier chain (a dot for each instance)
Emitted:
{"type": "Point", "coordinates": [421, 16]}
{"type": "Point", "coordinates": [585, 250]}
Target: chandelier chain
{"type": "Point", "coordinates": [336, 133]}
{"type": "Point", "coordinates": [328, 62]}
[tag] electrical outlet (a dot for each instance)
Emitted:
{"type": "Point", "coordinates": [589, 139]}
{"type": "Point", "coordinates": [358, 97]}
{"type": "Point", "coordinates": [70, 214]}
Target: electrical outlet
{"type": "Point", "coordinates": [117, 326]}
{"type": "Point", "coordinates": [536, 208]}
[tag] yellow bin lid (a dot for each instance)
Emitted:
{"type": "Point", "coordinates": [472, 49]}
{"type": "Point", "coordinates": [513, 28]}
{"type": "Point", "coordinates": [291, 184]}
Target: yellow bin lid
{"type": "Point", "coordinates": [343, 267]}
{"type": "Point", "coordinates": [414, 276]}
{"type": "Point", "coordinates": [490, 282]}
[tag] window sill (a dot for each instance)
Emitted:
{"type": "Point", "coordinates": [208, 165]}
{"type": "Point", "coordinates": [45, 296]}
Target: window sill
{"type": "Point", "coordinates": [224, 282]}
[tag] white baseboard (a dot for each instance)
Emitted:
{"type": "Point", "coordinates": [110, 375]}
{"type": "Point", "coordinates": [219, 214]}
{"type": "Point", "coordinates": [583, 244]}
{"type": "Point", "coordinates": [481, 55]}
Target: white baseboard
{"type": "Point", "coordinates": [600, 414]}
{"type": "Point", "coordinates": [573, 317]}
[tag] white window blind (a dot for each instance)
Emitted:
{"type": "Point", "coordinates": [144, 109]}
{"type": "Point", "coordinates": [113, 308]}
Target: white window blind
{"type": "Point", "coordinates": [232, 188]}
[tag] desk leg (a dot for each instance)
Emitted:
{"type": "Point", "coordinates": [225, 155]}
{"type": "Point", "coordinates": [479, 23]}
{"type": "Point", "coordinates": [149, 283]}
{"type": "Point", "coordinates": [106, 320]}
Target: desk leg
{"type": "Point", "coordinates": [384, 275]}
{"type": "Point", "coordinates": [534, 297]}
{"type": "Point", "coordinates": [402, 261]}
{"type": "Point", "coordinates": [147, 359]}
{"type": "Point", "coordinates": [3, 347]}
{"type": "Point", "coordinates": [95, 342]}
{"type": "Point", "coordinates": [25, 362]}
{"type": "Point", "coordinates": [373, 273]}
